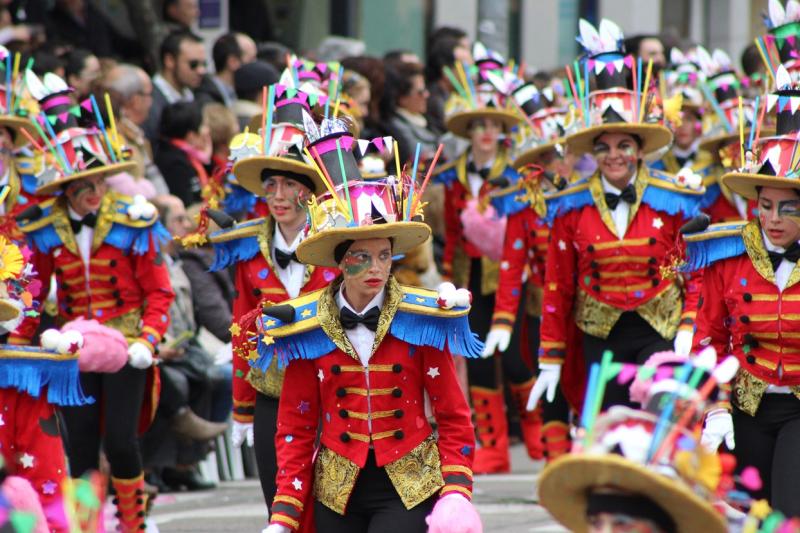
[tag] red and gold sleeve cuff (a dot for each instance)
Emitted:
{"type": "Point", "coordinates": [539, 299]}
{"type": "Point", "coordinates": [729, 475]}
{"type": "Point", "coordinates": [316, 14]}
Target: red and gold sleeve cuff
{"type": "Point", "coordinates": [18, 341]}
{"type": "Point", "coordinates": [687, 321]}
{"type": "Point", "coordinates": [243, 412]}
{"type": "Point", "coordinates": [552, 352]}
{"type": "Point", "coordinates": [503, 320]}
{"type": "Point", "coordinates": [286, 510]}
{"type": "Point", "coordinates": [457, 478]}
{"type": "Point", "coordinates": [151, 337]}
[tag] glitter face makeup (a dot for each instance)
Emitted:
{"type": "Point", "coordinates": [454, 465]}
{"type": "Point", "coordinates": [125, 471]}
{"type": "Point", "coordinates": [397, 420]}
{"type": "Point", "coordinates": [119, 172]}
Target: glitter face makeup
{"type": "Point", "coordinates": [85, 195]}
{"type": "Point", "coordinates": [286, 199]}
{"type": "Point", "coordinates": [773, 206]}
{"type": "Point", "coordinates": [618, 157]}
{"type": "Point", "coordinates": [365, 268]}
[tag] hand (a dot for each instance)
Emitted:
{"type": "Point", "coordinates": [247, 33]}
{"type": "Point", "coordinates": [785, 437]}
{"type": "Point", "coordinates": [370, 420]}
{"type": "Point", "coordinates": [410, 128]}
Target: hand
{"type": "Point", "coordinates": [497, 340]}
{"type": "Point", "coordinates": [453, 513]}
{"type": "Point", "coordinates": [549, 376]}
{"type": "Point", "coordinates": [139, 356]}
{"type": "Point", "coordinates": [276, 528]}
{"type": "Point", "coordinates": [169, 353]}
{"type": "Point", "coordinates": [719, 427]}
{"type": "Point", "coordinates": [683, 342]}
{"type": "Point", "coordinates": [241, 432]}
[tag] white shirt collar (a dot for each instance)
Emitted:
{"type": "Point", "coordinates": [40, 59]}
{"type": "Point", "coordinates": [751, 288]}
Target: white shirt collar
{"type": "Point", "coordinates": [278, 242]}
{"type": "Point", "coordinates": [608, 187]}
{"type": "Point", "coordinates": [677, 151]}
{"type": "Point", "coordinates": [171, 93]}
{"type": "Point", "coordinates": [73, 215]}
{"type": "Point", "coordinates": [377, 301]}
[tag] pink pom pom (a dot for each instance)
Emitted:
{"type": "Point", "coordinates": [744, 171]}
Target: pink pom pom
{"type": "Point", "coordinates": [453, 513]}
{"type": "Point", "coordinates": [751, 479]}
{"type": "Point", "coordinates": [484, 230]}
{"type": "Point", "coordinates": [639, 387]}
{"type": "Point", "coordinates": [104, 349]}
{"type": "Point", "coordinates": [22, 497]}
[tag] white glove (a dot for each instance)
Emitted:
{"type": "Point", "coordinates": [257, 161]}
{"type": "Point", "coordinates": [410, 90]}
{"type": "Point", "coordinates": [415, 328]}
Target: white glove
{"type": "Point", "coordinates": [240, 432]}
{"type": "Point", "coordinates": [719, 427]}
{"type": "Point", "coordinates": [139, 355]}
{"type": "Point", "coordinates": [683, 342]}
{"type": "Point", "coordinates": [276, 528]}
{"type": "Point", "coordinates": [496, 340]}
{"type": "Point", "coordinates": [549, 376]}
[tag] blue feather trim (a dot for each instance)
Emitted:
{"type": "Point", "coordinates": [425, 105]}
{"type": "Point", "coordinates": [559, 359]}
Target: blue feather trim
{"type": "Point", "coordinates": [30, 376]}
{"type": "Point", "coordinates": [704, 253]}
{"type": "Point", "coordinates": [447, 177]}
{"type": "Point", "coordinates": [238, 201]}
{"type": "Point", "coordinates": [311, 344]}
{"type": "Point", "coordinates": [44, 239]}
{"type": "Point", "coordinates": [231, 252]}
{"type": "Point", "coordinates": [713, 192]}
{"type": "Point", "coordinates": [29, 183]}
{"type": "Point", "coordinates": [564, 203]}
{"type": "Point", "coordinates": [140, 240]}
{"type": "Point", "coordinates": [505, 201]}
{"type": "Point", "coordinates": [426, 330]}
{"type": "Point", "coordinates": [670, 202]}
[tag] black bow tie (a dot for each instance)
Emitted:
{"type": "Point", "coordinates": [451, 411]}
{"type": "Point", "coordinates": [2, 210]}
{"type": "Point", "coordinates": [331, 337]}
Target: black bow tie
{"type": "Point", "coordinates": [628, 196]}
{"type": "Point", "coordinates": [683, 160]}
{"type": "Point", "coordinates": [471, 168]}
{"type": "Point", "coordinates": [791, 254]}
{"type": "Point", "coordinates": [350, 320]}
{"type": "Point", "coordinates": [89, 220]}
{"type": "Point", "coordinates": [284, 258]}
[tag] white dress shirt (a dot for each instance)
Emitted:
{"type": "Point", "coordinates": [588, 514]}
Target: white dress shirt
{"type": "Point", "coordinates": [84, 240]}
{"type": "Point", "coordinates": [361, 337]}
{"type": "Point", "coordinates": [476, 181]}
{"type": "Point", "coordinates": [781, 279]}
{"type": "Point", "coordinates": [171, 93]}
{"type": "Point", "coordinates": [620, 214]}
{"type": "Point", "coordinates": [292, 276]}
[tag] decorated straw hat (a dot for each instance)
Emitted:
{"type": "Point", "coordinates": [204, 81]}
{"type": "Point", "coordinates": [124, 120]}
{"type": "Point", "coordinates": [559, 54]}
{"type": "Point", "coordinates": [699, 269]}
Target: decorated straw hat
{"type": "Point", "coordinates": [77, 152]}
{"type": "Point", "coordinates": [545, 123]}
{"type": "Point", "coordinates": [613, 107]}
{"type": "Point", "coordinates": [15, 106]}
{"type": "Point", "coordinates": [773, 161]}
{"type": "Point", "coordinates": [650, 458]}
{"type": "Point", "coordinates": [783, 36]}
{"type": "Point", "coordinates": [354, 208]}
{"type": "Point", "coordinates": [684, 76]}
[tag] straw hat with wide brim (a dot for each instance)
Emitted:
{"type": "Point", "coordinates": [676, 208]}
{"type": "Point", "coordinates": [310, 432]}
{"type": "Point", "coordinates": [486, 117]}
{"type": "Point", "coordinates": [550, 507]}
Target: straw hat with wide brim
{"type": "Point", "coordinates": [654, 136]}
{"type": "Point", "coordinates": [17, 124]}
{"type": "Point", "coordinates": [8, 311]}
{"type": "Point", "coordinates": [714, 143]}
{"type": "Point", "coordinates": [318, 249]}
{"type": "Point", "coordinates": [103, 172]}
{"type": "Point", "coordinates": [565, 485]}
{"type": "Point", "coordinates": [459, 122]}
{"type": "Point", "coordinates": [745, 183]}
{"type": "Point", "coordinates": [530, 155]}
{"type": "Point", "coordinates": [248, 172]}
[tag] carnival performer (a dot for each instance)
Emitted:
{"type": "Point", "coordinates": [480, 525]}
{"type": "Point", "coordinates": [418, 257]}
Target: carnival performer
{"type": "Point", "coordinates": [613, 233]}
{"type": "Point", "coordinates": [473, 246]}
{"type": "Point", "coordinates": [104, 251]}
{"type": "Point", "coordinates": [263, 252]}
{"type": "Point", "coordinates": [361, 355]}
{"type": "Point", "coordinates": [749, 303]}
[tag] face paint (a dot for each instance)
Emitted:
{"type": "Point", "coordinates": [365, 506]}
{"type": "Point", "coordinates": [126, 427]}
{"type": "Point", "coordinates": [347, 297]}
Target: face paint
{"type": "Point", "coordinates": [356, 263]}
{"type": "Point", "coordinates": [788, 208]}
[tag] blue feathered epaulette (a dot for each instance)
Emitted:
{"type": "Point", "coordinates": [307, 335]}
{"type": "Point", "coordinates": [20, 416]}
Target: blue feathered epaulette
{"type": "Point", "coordinates": [236, 244]}
{"type": "Point", "coordinates": [507, 200]}
{"type": "Point", "coordinates": [713, 192]}
{"type": "Point", "coordinates": [419, 321]}
{"type": "Point", "coordinates": [139, 235]}
{"type": "Point", "coordinates": [575, 196]}
{"type": "Point", "coordinates": [40, 232]}
{"type": "Point", "coordinates": [447, 176]}
{"type": "Point", "coordinates": [715, 243]}
{"type": "Point", "coordinates": [663, 194]}
{"type": "Point", "coordinates": [238, 200]}
{"type": "Point", "coordinates": [29, 369]}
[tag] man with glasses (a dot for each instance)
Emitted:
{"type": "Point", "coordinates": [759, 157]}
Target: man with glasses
{"type": "Point", "coordinates": [183, 65]}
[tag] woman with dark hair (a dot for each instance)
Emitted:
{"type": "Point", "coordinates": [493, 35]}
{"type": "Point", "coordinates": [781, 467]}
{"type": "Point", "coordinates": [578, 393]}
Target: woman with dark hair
{"type": "Point", "coordinates": [443, 52]}
{"type": "Point", "coordinates": [403, 110]}
{"type": "Point", "coordinates": [184, 151]}
{"type": "Point", "coordinates": [373, 70]}
{"type": "Point", "coordinates": [81, 69]}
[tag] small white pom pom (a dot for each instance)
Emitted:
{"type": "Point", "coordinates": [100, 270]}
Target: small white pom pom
{"type": "Point", "coordinates": [50, 338]}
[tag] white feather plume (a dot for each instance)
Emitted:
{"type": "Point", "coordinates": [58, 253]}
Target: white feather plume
{"type": "Point", "coordinates": [792, 11]}
{"type": "Point", "coordinates": [54, 83]}
{"type": "Point", "coordinates": [35, 86]}
{"type": "Point", "coordinates": [776, 13]}
{"type": "Point", "coordinates": [782, 78]}
{"type": "Point", "coordinates": [589, 38]}
{"type": "Point", "coordinates": [610, 35]}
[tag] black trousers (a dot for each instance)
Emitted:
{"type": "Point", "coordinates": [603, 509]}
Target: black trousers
{"type": "Point", "coordinates": [374, 507]}
{"type": "Point", "coordinates": [118, 402]}
{"type": "Point", "coordinates": [265, 425]}
{"type": "Point", "coordinates": [632, 340]}
{"type": "Point", "coordinates": [769, 441]}
{"type": "Point", "coordinates": [481, 372]}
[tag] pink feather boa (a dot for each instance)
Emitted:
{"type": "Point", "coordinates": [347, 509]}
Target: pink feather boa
{"type": "Point", "coordinates": [484, 230]}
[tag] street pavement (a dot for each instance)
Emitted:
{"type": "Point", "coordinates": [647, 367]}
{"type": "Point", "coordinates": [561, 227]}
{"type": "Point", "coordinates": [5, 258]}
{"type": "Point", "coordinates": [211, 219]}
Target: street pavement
{"type": "Point", "coordinates": [506, 503]}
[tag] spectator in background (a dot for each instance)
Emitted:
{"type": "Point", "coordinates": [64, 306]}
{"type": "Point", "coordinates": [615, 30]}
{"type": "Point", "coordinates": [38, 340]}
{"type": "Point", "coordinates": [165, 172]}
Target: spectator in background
{"type": "Point", "coordinates": [183, 65]}
{"type": "Point", "coordinates": [462, 50]}
{"type": "Point", "coordinates": [395, 57]}
{"type": "Point", "coordinates": [403, 111]}
{"type": "Point", "coordinates": [83, 25]}
{"type": "Point", "coordinates": [372, 69]}
{"type": "Point", "coordinates": [273, 53]}
{"type": "Point", "coordinates": [249, 81]}
{"type": "Point", "coordinates": [647, 47]}
{"type": "Point", "coordinates": [184, 153]}
{"type": "Point", "coordinates": [441, 54]}
{"type": "Point", "coordinates": [222, 126]}
{"type": "Point", "coordinates": [357, 90]}
{"type": "Point", "coordinates": [82, 68]}
{"type": "Point", "coordinates": [755, 70]}
{"type": "Point", "coordinates": [181, 15]}
{"type": "Point", "coordinates": [44, 61]}
{"type": "Point", "coordinates": [131, 94]}
{"type": "Point", "coordinates": [230, 52]}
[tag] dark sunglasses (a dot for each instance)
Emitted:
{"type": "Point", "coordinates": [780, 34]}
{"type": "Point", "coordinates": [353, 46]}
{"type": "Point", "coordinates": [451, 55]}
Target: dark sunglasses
{"type": "Point", "coordinates": [194, 64]}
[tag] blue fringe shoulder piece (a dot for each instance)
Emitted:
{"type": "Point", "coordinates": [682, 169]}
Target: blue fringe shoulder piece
{"type": "Point", "coordinates": [29, 369]}
{"type": "Point", "coordinates": [663, 194]}
{"type": "Point", "coordinates": [715, 243]}
{"type": "Point", "coordinates": [713, 191]}
{"type": "Point", "coordinates": [40, 232]}
{"type": "Point", "coordinates": [448, 175]}
{"type": "Point", "coordinates": [140, 235]}
{"type": "Point", "coordinates": [575, 196]}
{"type": "Point", "coordinates": [236, 244]}
{"type": "Point", "coordinates": [506, 201]}
{"type": "Point", "coordinates": [238, 200]}
{"type": "Point", "coordinates": [419, 321]}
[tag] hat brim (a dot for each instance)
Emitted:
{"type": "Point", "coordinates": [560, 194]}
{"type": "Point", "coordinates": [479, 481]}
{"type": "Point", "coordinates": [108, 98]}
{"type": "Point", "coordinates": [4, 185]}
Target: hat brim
{"type": "Point", "coordinates": [7, 311]}
{"type": "Point", "coordinates": [654, 136]}
{"type": "Point", "coordinates": [530, 155]}
{"type": "Point", "coordinates": [18, 124]}
{"type": "Point", "coordinates": [713, 144]}
{"type": "Point", "coordinates": [319, 248]}
{"type": "Point", "coordinates": [745, 183]}
{"type": "Point", "coordinates": [248, 172]}
{"type": "Point", "coordinates": [458, 123]}
{"type": "Point", "coordinates": [565, 484]}
{"type": "Point", "coordinates": [103, 172]}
